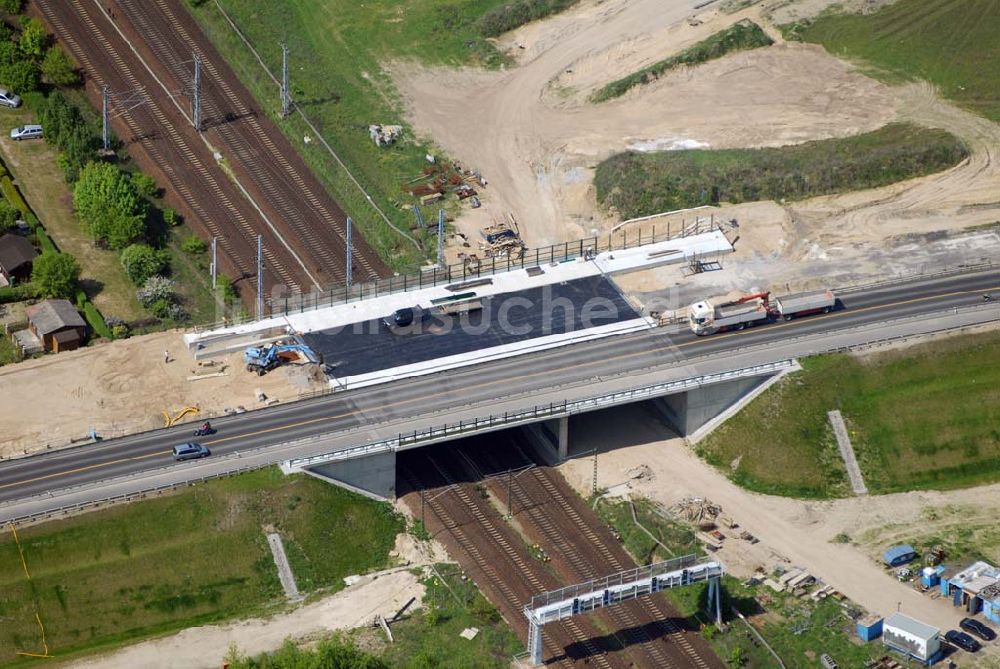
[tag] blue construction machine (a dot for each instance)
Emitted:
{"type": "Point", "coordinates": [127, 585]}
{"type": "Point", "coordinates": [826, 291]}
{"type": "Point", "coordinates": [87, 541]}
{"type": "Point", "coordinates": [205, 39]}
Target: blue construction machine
{"type": "Point", "coordinates": [262, 359]}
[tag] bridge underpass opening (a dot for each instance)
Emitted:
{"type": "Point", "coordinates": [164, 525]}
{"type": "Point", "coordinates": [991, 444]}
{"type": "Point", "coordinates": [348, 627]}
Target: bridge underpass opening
{"type": "Point", "coordinates": [519, 530]}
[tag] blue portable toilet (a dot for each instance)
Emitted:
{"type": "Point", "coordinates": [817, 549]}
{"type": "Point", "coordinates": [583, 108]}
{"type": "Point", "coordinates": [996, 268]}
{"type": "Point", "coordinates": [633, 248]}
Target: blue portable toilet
{"type": "Point", "coordinates": [931, 576]}
{"type": "Point", "coordinates": [870, 627]}
{"type": "Point", "coordinates": [899, 555]}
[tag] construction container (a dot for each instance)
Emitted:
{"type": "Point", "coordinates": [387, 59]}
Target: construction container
{"type": "Point", "coordinates": [912, 638]}
{"type": "Point", "coordinates": [870, 627]}
{"type": "Point", "coordinates": [899, 555]}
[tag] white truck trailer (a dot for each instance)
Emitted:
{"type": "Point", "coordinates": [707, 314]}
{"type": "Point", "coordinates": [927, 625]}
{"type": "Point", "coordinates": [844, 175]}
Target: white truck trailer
{"type": "Point", "coordinates": [804, 304]}
{"type": "Point", "coordinates": [707, 317]}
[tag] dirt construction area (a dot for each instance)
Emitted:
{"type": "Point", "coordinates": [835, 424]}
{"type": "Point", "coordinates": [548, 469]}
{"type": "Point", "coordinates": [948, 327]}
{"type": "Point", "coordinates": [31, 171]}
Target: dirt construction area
{"type": "Point", "coordinates": [791, 532]}
{"type": "Point", "coordinates": [536, 137]}
{"type": "Point", "coordinates": [127, 386]}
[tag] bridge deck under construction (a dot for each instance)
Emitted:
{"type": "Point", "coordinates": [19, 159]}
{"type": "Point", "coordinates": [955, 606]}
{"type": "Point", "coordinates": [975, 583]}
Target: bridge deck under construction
{"type": "Point", "coordinates": [498, 320]}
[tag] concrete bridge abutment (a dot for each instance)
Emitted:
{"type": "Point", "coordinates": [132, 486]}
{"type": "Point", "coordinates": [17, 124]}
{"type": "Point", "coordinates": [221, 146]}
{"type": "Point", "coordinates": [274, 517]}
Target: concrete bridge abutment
{"type": "Point", "coordinates": [550, 438]}
{"type": "Point", "coordinates": [373, 475]}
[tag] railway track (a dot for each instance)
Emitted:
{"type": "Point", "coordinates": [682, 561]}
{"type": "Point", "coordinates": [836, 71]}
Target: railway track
{"type": "Point", "coordinates": [495, 556]}
{"type": "Point", "coordinates": [164, 146]}
{"type": "Point", "coordinates": [266, 163]}
{"type": "Point", "coordinates": [583, 548]}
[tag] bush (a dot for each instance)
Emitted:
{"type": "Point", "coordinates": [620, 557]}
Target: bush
{"type": "Point", "coordinates": [512, 15]}
{"type": "Point", "coordinates": [171, 218]}
{"type": "Point", "coordinates": [55, 274]}
{"type": "Point", "coordinates": [93, 316]}
{"type": "Point", "coordinates": [11, 6]}
{"type": "Point", "coordinates": [32, 40]}
{"type": "Point", "coordinates": [8, 216]}
{"type": "Point", "coordinates": [58, 68]}
{"type": "Point", "coordinates": [44, 241]}
{"type": "Point", "coordinates": [13, 195]}
{"type": "Point", "coordinates": [145, 185]}
{"type": "Point", "coordinates": [142, 261]}
{"type": "Point", "coordinates": [193, 244]}
{"type": "Point", "coordinates": [18, 293]}
{"type": "Point", "coordinates": [155, 289]}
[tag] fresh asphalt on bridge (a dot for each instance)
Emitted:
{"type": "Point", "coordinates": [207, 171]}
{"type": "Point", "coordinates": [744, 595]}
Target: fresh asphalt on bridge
{"type": "Point", "coordinates": [574, 364]}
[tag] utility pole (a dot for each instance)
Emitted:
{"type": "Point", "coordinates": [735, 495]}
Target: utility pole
{"type": "Point", "coordinates": [286, 95]}
{"type": "Point", "coordinates": [441, 238]}
{"type": "Point", "coordinates": [260, 277]}
{"type": "Point", "coordinates": [105, 118]}
{"type": "Point", "coordinates": [510, 484]}
{"type": "Point", "coordinates": [215, 260]}
{"type": "Point", "coordinates": [594, 491]}
{"type": "Point", "coordinates": [196, 102]}
{"type": "Point", "coordinates": [350, 257]}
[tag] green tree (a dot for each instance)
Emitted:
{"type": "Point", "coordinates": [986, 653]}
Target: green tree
{"type": "Point", "coordinates": [109, 206]}
{"type": "Point", "coordinates": [58, 68]}
{"type": "Point", "coordinates": [20, 76]}
{"type": "Point", "coordinates": [55, 274]}
{"type": "Point", "coordinates": [11, 6]}
{"type": "Point", "coordinates": [32, 40]}
{"type": "Point", "coordinates": [66, 128]}
{"type": "Point", "coordinates": [142, 261]}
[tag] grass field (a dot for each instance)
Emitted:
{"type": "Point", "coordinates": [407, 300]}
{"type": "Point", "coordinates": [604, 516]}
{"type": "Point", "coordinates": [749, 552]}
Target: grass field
{"type": "Point", "coordinates": [338, 53]}
{"type": "Point", "coordinates": [117, 575]}
{"type": "Point", "coordinates": [740, 36]}
{"type": "Point", "coordinates": [919, 418]}
{"type": "Point", "coordinates": [431, 637]}
{"type": "Point", "coordinates": [638, 184]}
{"type": "Point", "coordinates": [950, 43]}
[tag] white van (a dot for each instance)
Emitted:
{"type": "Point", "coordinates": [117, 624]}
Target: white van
{"type": "Point", "coordinates": [26, 132]}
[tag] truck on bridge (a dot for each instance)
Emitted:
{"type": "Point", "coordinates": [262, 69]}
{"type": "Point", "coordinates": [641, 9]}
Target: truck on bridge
{"type": "Point", "coordinates": [708, 317]}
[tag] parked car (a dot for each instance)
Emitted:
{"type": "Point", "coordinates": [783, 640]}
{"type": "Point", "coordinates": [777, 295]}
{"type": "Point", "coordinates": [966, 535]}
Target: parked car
{"type": "Point", "coordinates": [827, 662]}
{"type": "Point", "coordinates": [190, 451]}
{"type": "Point", "coordinates": [8, 99]}
{"type": "Point", "coordinates": [962, 640]}
{"type": "Point", "coordinates": [981, 630]}
{"type": "Point", "coordinates": [26, 132]}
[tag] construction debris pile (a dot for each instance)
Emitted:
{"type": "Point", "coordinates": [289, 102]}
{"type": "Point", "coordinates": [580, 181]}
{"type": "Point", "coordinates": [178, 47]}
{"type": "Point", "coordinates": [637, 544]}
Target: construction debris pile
{"type": "Point", "coordinates": [384, 135]}
{"type": "Point", "coordinates": [697, 511]}
{"type": "Point", "coordinates": [503, 240]}
{"type": "Point", "coordinates": [440, 179]}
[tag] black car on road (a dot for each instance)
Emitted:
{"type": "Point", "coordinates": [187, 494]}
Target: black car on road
{"type": "Point", "coordinates": [981, 630]}
{"type": "Point", "coordinates": [962, 640]}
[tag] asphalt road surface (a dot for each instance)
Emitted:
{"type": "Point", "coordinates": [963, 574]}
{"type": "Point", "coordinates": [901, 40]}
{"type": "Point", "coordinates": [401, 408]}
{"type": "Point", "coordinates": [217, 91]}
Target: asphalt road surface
{"type": "Point", "coordinates": [576, 364]}
{"type": "Point", "coordinates": [570, 306]}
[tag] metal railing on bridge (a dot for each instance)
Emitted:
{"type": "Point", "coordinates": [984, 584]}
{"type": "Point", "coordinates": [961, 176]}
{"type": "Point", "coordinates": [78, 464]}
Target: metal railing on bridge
{"type": "Point", "coordinates": [485, 267]}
